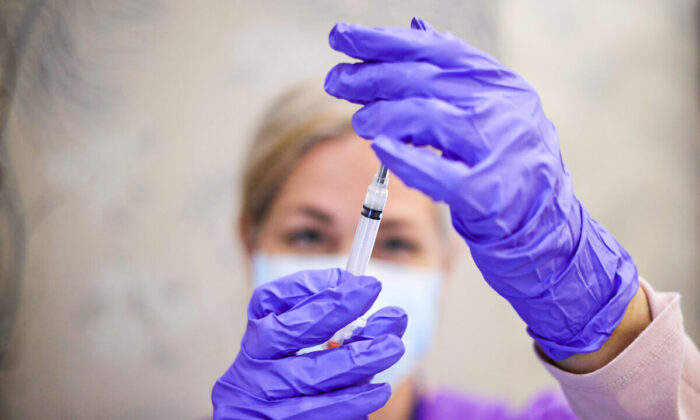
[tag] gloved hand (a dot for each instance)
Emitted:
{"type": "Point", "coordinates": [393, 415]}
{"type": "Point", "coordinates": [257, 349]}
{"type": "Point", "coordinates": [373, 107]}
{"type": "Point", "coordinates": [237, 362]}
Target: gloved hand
{"type": "Point", "coordinates": [302, 310]}
{"type": "Point", "coordinates": [500, 171]}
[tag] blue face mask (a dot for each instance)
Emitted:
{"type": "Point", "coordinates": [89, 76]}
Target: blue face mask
{"type": "Point", "coordinates": [416, 290]}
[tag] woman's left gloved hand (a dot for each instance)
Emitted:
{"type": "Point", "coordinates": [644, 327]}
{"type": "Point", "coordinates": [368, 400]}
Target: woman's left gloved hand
{"type": "Point", "coordinates": [500, 171]}
{"type": "Point", "coordinates": [270, 380]}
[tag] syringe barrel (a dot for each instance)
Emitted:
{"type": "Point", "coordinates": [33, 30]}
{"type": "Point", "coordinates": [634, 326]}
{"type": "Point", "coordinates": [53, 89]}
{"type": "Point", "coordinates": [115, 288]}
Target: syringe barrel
{"type": "Point", "coordinates": [367, 226]}
{"type": "Point", "coordinates": [362, 245]}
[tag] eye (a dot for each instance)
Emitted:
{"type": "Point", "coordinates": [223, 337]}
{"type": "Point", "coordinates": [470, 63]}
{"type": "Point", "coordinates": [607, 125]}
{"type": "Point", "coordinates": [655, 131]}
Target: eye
{"type": "Point", "coordinates": [305, 237]}
{"type": "Point", "coordinates": [397, 244]}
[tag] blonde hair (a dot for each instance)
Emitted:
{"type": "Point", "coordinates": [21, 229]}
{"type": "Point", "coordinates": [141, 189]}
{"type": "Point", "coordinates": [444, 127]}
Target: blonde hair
{"type": "Point", "coordinates": [299, 119]}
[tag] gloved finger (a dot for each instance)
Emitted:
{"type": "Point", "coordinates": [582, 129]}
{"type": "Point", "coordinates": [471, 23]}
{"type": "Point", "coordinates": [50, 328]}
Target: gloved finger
{"type": "Point", "coordinates": [367, 82]}
{"type": "Point", "coordinates": [280, 295]}
{"type": "Point", "coordinates": [425, 122]}
{"type": "Point", "coordinates": [344, 404]}
{"type": "Point", "coordinates": [436, 176]}
{"type": "Point", "coordinates": [313, 319]}
{"type": "Point", "coordinates": [405, 44]}
{"type": "Point", "coordinates": [320, 371]}
{"type": "Point", "coordinates": [418, 23]}
{"type": "Point", "coordinates": [387, 320]}
{"type": "Point", "coordinates": [347, 403]}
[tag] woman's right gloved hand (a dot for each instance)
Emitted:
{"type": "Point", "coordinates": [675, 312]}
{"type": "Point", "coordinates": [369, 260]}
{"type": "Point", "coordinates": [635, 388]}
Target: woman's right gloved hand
{"type": "Point", "coordinates": [500, 171]}
{"type": "Point", "coordinates": [269, 380]}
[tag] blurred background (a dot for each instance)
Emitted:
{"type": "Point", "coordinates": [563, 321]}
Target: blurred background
{"type": "Point", "coordinates": [124, 125]}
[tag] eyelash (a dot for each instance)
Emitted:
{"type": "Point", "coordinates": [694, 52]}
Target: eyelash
{"type": "Point", "coordinates": [312, 238]}
{"type": "Point", "coordinates": [306, 235]}
{"type": "Point", "coordinates": [405, 245]}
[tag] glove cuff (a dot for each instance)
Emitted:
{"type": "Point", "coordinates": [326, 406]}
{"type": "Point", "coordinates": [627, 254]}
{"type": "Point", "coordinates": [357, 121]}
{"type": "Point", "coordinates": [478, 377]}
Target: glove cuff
{"type": "Point", "coordinates": [571, 284]}
{"type": "Point", "coordinates": [606, 279]}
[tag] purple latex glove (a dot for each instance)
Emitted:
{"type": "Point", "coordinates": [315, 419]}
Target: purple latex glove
{"type": "Point", "coordinates": [500, 171]}
{"type": "Point", "coordinates": [268, 379]}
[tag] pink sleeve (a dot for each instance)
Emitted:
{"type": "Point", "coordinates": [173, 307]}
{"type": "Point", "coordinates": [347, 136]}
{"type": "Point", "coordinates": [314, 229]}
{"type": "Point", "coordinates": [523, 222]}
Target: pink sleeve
{"type": "Point", "coordinates": [657, 376]}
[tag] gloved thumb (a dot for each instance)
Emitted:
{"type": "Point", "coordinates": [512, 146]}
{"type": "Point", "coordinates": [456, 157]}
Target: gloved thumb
{"type": "Point", "coordinates": [388, 320]}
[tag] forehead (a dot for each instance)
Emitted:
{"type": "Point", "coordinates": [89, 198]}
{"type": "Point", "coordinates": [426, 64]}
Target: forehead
{"type": "Point", "coordinates": [334, 175]}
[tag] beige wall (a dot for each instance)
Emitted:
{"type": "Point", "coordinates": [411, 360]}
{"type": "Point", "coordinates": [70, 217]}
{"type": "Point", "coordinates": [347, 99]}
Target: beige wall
{"type": "Point", "coordinates": [129, 125]}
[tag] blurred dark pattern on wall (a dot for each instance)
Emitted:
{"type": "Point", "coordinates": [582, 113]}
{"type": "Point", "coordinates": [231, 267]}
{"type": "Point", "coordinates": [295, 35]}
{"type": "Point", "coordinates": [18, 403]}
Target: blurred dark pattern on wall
{"type": "Point", "coordinates": [12, 228]}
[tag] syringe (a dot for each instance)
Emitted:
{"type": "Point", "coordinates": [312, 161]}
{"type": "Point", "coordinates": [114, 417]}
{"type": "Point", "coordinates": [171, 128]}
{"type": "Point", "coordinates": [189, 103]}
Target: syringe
{"type": "Point", "coordinates": [363, 243]}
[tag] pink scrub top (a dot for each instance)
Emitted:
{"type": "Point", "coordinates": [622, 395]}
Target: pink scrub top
{"type": "Point", "coordinates": [655, 377]}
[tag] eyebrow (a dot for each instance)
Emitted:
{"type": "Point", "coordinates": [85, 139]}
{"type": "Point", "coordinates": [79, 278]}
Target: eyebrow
{"type": "Point", "coordinates": [326, 218]}
{"type": "Point", "coordinates": [314, 213]}
{"type": "Point", "coordinates": [395, 223]}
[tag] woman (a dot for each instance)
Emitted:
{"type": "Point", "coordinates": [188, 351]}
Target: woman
{"type": "Point", "coordinates": [615, 345]}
